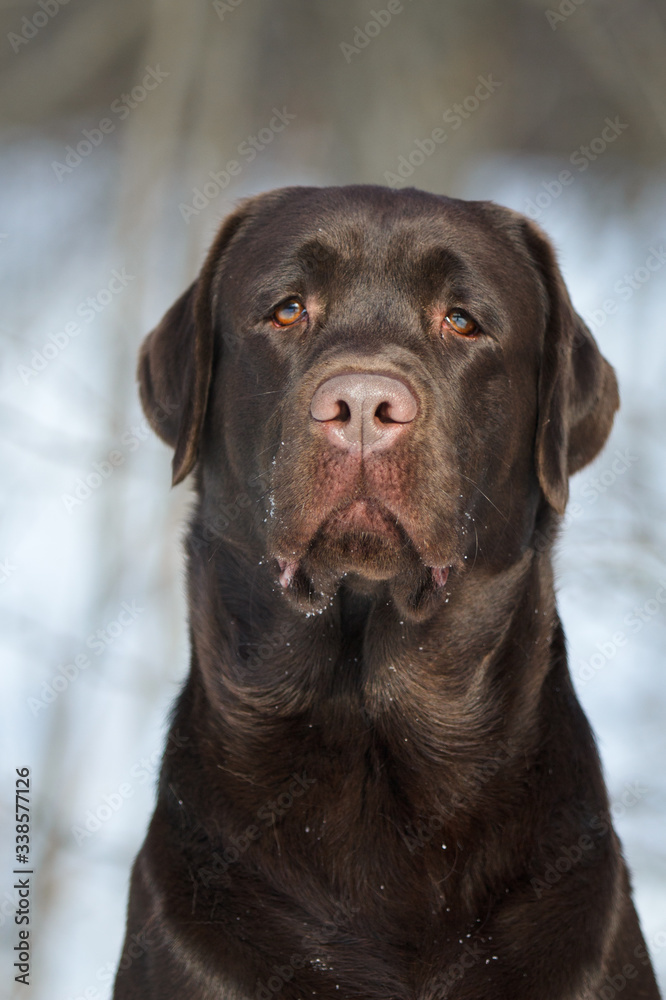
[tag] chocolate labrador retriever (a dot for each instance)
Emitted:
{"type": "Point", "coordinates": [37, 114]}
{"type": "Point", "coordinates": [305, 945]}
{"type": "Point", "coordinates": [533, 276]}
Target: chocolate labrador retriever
{"type": "Point", "coordinates": [378, 782]}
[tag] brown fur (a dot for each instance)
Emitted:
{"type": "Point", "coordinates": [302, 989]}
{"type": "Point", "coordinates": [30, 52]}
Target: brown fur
{"type": "Point", "coordinates": [375, 786]}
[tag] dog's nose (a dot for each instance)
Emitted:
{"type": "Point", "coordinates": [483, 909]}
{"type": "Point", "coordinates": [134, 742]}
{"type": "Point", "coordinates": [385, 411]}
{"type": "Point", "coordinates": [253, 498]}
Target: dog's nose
{"type": "Point", "coordinates": [363, 412]}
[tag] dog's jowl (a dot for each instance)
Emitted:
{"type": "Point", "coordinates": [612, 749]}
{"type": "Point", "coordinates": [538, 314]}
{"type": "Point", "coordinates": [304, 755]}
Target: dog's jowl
{"type": "Point", "coordinates": [382, 785]}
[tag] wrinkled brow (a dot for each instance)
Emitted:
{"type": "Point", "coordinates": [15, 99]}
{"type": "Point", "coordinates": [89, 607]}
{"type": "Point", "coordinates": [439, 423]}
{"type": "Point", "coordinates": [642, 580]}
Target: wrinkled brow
{"type": "Point", "coordinates": [302, 268]}
{"type": "Point", "coordinates": [437, 264]}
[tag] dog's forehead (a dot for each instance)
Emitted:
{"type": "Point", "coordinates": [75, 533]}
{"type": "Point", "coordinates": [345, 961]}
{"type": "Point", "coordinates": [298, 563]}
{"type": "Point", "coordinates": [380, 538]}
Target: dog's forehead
{"type": "Point", "coordinates": [366, 226]}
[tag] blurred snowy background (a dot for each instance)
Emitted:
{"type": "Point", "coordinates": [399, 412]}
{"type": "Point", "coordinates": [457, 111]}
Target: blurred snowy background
{"type": "Point", "coordinates": [112, 114]}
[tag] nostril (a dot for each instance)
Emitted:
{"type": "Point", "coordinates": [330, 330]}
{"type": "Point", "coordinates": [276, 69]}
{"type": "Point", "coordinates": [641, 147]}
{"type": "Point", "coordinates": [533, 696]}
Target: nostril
{"type": "Point", "coordinates": [344, 413]}
{"type": "Point", "coordinates": [383, 413]}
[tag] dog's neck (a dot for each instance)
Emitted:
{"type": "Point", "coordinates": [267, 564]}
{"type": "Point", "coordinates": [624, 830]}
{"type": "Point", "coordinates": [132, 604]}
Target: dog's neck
{"type": "Point", "coordinates": [438, 688]}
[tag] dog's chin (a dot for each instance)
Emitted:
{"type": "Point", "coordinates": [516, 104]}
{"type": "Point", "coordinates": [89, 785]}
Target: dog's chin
{"type": "Point", "coordinates": [367, 555]}
{"type": "Point", "coordinates": [372, 554]}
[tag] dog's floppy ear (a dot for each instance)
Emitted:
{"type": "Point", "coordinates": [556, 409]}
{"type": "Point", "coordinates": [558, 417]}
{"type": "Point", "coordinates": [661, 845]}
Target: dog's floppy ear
{"type": "Point", "coordinates": [172, 385]}
{"type": "Point", "coordinates": [578, 393]}
{"type": "Point", "coordinates": [176, 361]}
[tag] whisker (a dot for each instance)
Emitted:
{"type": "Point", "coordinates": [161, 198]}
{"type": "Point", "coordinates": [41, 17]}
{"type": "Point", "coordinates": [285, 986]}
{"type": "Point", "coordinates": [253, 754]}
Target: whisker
{"type": "Point", "coordinates": [476, 550]}
{"type": "Point", "coordinates": [269, 392]}
{"type": "Point", "coordinates": [476, 486]}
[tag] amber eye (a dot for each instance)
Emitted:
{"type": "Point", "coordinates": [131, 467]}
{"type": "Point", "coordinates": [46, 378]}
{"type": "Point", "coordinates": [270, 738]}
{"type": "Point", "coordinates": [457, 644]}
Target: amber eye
{"type": "Point", "coordinates": [459, 322]}
{"type": "Point", "coordinates": [289, 313]}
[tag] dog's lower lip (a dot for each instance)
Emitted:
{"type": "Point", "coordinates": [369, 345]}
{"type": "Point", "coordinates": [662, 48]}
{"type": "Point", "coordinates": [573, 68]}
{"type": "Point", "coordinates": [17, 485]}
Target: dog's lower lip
{"type": "Point", "coordinates": [288, 569]}
{"type": "Point", "coordinates": [368, 517]}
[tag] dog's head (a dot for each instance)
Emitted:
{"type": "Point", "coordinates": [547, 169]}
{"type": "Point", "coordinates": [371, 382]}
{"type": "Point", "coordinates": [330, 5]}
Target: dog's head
{"type": "Point", "coordinates": [403, 374]}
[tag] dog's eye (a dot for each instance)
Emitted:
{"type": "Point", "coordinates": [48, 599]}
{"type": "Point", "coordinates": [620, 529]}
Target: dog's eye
{"type": "Point", "coordinates": [459, 322]}
{"type": "Point", "coordinates": [289, 313]}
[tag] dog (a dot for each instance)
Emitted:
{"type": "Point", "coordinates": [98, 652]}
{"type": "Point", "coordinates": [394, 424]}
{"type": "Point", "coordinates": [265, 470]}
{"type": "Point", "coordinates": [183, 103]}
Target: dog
{"type": "Point", "coordinates": [378, 782]}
